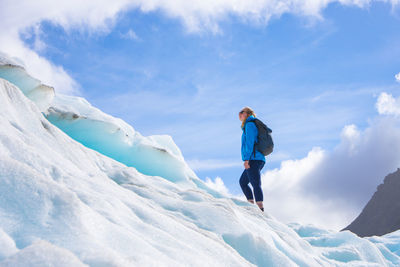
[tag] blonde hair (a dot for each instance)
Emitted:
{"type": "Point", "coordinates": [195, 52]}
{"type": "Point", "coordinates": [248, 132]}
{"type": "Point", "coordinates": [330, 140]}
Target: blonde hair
{"type": "Point", "coordinates": [248, 112]}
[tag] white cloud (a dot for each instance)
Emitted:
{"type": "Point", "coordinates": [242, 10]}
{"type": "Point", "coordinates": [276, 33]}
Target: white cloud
{"type": "Point", "coordinates": [397, 77]}
{"type": "Point", "coordinates": [292, 172]}
{"type": "Point", "coordinates": [100, 15]}
{"type": "Point", "coordinates": [130, 35]}
{"type": "Point", "coordinates": [199, 15]}
{"type": "Point", "coordinates": [285, 199]}
{"type": "Point", "coordinates": [388, 105]}
{"type": "Point", "coordinates": [217, 185]}
{"type": "Point", "coordinates": [35, 34]}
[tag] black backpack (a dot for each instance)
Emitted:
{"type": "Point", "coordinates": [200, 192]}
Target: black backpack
{"type": "Point", "coordinates": [265, 143]}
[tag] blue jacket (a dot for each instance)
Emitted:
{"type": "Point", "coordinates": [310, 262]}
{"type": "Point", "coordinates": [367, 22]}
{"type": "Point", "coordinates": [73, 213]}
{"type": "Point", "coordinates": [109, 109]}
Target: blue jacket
{"type": "Point", "coordinates": [249, 137]}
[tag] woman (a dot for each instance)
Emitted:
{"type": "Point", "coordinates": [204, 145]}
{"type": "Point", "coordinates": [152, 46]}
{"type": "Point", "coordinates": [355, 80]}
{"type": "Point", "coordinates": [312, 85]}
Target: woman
{"type": "Point", "coordinates": [253, 159]}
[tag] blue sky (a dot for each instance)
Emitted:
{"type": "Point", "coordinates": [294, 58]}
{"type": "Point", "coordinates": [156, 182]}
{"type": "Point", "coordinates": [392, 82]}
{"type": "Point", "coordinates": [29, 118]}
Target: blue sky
{"type": "Point", "coordinates": [305, 78]}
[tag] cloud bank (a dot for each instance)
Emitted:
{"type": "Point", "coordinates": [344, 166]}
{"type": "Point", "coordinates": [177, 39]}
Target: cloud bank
{"type": "Point", "coordinates": [331, 188]}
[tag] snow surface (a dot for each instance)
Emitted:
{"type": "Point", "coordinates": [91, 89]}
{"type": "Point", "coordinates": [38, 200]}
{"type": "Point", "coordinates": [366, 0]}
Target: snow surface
{"type": "Point", "coordinates": [64, 204]}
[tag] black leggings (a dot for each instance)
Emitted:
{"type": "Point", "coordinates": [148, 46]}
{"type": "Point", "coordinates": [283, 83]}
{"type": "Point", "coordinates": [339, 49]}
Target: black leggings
{"type": "Point", "coordinates": [253, 176]}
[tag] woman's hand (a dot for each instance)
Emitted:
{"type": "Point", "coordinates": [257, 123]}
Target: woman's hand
{"type": "Point", "coordinates": [246, 164]}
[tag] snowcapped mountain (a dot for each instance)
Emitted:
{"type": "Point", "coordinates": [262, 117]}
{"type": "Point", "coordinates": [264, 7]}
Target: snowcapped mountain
{"type": "Point", "coordinates": [81, 188]}
{"type": "Point", "coordinates": [381, 215]}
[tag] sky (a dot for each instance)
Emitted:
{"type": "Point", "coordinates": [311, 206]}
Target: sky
{"type": "Point", "coordinates": [323, 75]}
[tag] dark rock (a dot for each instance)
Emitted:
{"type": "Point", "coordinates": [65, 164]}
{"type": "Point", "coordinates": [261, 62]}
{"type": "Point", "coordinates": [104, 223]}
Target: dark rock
{"type": "Point", "coordinates": [381, 215]}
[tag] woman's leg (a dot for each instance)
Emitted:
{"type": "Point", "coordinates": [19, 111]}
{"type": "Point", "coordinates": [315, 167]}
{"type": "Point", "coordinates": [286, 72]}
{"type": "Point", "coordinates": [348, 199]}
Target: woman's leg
{"type": "Point", "coordinates": [244, 184]}
{"type": "Point", "coordinates": [254, 174]}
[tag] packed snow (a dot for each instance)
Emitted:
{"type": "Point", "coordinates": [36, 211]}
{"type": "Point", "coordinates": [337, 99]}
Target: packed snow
{"type": "Point", "coordinates": [67, 198]}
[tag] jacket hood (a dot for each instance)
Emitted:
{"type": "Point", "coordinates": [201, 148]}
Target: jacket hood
{"type": "Point", "coordinates": [250, 118]}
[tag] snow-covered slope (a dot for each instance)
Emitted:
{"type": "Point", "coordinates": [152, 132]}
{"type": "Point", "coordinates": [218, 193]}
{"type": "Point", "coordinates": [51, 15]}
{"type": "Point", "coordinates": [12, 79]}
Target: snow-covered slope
{"type": "Point", "coordinates": [63, 204]}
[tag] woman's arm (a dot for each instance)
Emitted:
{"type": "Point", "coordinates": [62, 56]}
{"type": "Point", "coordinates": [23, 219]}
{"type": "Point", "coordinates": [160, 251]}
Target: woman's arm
{"type": "Point", "coordinates": [250, 139]}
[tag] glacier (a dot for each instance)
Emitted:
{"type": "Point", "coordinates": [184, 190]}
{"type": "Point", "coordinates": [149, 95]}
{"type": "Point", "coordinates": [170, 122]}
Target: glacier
{"type": "Point", "coordinates": [79, 187]}
{"type": "Point", "coordinates": [155, 155]}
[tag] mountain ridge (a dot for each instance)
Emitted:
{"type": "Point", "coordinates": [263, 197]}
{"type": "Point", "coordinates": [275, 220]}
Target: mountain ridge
{"type": "Point", "coordinates": [381, 215]}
